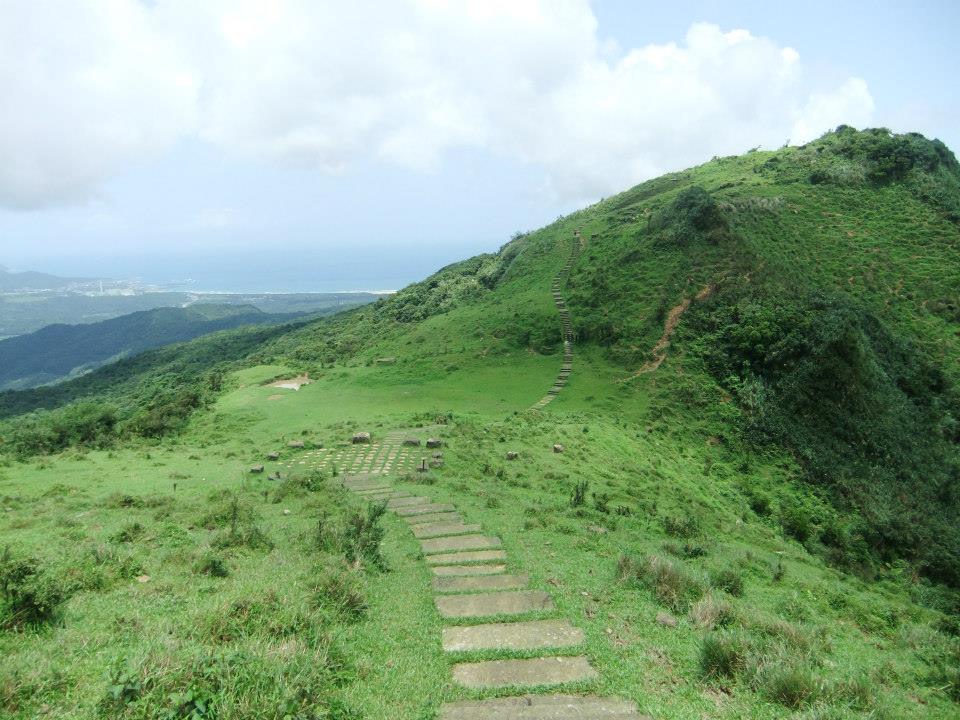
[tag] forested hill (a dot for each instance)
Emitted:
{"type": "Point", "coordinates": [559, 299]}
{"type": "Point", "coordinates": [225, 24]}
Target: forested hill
{"type": "Point", "coordinates": [59, 351]}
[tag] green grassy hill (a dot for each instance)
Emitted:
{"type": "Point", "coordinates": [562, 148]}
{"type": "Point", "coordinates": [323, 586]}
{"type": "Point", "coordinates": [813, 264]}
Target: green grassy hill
{"type": "Point", "coordinates": [755, 515]}
{"type": "Point", "coordinates": [59, 351]}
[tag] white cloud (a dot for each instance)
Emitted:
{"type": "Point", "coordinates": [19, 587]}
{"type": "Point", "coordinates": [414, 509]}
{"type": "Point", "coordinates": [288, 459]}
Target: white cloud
{"type": "Point", "coordinates": [91, 87]}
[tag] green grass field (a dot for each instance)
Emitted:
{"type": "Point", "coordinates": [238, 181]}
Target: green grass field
{"type": "Point", "coordinates": [765, 521]}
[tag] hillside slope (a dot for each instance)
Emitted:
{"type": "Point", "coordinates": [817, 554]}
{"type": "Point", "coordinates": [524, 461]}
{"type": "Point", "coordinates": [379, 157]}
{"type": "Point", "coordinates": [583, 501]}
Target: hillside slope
{"type": "Point", "coordinates": [752, 511]}
{"type": "Point", "coordinates": [58, 351]}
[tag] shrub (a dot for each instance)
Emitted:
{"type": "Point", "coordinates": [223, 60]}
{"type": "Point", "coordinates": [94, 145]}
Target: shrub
{"type": "Point", "coordinates": [363, 535]}
{"type": "Point", "coordinates": [796, 522]}
{"type": "Point", "coordinates": [213, 565]}
{"type": "Point", "coordinates": [671, 585]}
{"type": "Point", "coordinates": [340, 590]}
{"type": "Point", "coordinates": [723, 654]}
{"type": "Point", "coordinates": [681, 526]}
{"type": "Point", "coordinates": [601, 501]}
{"type": "Point", "coordinates": [128, 533]}
{"type": "Point", "coordinates": [712, 612]}
{"type": "Point", "coordinates": [729, 580]}
{"type": "Point", "coordinates": [29, 595]}
{"type": "Point", "coordinates": [579, 495]}
{"type": "Point", "coordinates": [792, 686]}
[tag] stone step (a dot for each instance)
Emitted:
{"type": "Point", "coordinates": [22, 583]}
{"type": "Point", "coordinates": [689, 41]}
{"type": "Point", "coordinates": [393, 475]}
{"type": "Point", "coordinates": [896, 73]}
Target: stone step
{"type": "Point", "coordinates": [376, 490]}
{"type": "Point", "coordinates": [542, 707]}
{"type": "Point", "coordinates": [459, 558]}
{"type": "Point", "coordinates": [434, 518]}
{"type": "Point", "coordinates": [535, 635]}
{"type": "Point", "coordinates": [455, 543]}
{"type": "Point", "coordinates": [432, 530]}
{"type": "Point", "coordinates": [358, 485]}
{"type": "Point", "coordinates": [524, 673]}
{"type": "Point", "coordinates": [429, 508]}
{"type": "Point", "coordinates": [509, 602]}
{"type": "Point", "coordinates": [469, 570]}
{"type": "Point", "coordinates": [479, 583]}
{"type": "Point", "coordinates": [410, 500]}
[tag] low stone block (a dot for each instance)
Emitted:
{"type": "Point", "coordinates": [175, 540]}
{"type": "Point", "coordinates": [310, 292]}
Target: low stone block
{"type": "Point", "coordinates": [509, 602]}
{"type": "Point", "coordinates": [479, 583]}
{"type": "Point", "coordinates": [534, 635]}
{"type": "Point", "coordinates": [469, 570]}
{"type": "Point", "coordinates": [460, 558]}
{"type": "Point", "coordinates": [425, 509]}
{"type": "Point", "coordinates": [459, 542]}
{"type": "Point", "coordinates": [432, 530]}
{"type": "Point", "coordinates": [523, 673]}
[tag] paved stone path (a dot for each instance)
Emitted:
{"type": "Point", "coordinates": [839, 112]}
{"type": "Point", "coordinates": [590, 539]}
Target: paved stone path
{"type": "Point", "coordinates": [557, 290]}
{"type": "Point", "coordinates": [495, 611]}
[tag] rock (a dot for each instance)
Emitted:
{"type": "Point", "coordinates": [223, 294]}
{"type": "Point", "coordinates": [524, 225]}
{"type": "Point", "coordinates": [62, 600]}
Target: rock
{"type": "Point", "coordinates": [386, 361]}
{"type": "Point", "coordinates": [286, 512]}
{"type": "Point", "coordinates": [437, 455]}
{"type": "Point", "coordinates": [297, 444]}
{"type": "Point", "coordinates": [360, 437]}
{"type": "Point", "coordinates": [256, 469]}
{"type": "Point", "coordinates": [412, 442]}
{"type": "Point", "coordinates": [666, 619]}
{"type": "Point", "coordinates": [434, 443]}
{"type": "Point", "coordinates": [143, 578]}
{"type": "Point", "coordinates": [558, 448]}
{"type": "Point", "coordinates": [436, 463]}
{"type": "Point", "coordinates": [513, 455]}
{"type": "Point", "coordinates": [273, 456]}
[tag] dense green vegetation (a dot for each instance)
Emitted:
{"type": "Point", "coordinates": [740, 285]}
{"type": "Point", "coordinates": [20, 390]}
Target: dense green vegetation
{"type": "Point", "coordinates": [757, 514]}
{"type": "Point", "coordinates": [58, 351]}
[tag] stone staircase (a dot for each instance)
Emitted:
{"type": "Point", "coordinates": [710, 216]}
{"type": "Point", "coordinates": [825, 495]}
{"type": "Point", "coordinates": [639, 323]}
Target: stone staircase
{"type": "Point", "coordinates": [559, 280]}
{"type": "Point", "coordinates": [490, 609]}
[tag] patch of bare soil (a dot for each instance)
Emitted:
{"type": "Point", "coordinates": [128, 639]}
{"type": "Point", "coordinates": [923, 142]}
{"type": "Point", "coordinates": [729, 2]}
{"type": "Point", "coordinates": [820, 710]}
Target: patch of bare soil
{"type": "Point", "coordinates": [292, 383]}
{"type": "Point", "coordinates": [669, 326]}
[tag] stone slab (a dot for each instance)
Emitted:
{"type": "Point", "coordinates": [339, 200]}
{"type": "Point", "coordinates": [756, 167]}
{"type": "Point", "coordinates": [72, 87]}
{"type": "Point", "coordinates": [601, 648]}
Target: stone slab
{"type": "Point", "coordinates": [414, 520]}
{"type": "Point", "coordinates": [468, 570]}
{"type": "Point", "coordinates": [456, 543]}
{"type": "Point", "coordinates": [459, 558]}
{"type": "Point", "coordinates": [542, 707]}
{"type": "Point", "coordinates": [480, 583]}
{"type": "Point", "coordinates": [374, 491]}
{"type": "Point", "coordinates": [507, 602]}
{"type": "Point", "coordinates": [424, 509]}
{"type": "Point", "coordinates": [524, 673]}
{"type": "Point", "coordinates": [441, 529]}
{"type": "Point", "coordinates": [405, 501]}
{"type": "Point", "coordinates": [536, 635]}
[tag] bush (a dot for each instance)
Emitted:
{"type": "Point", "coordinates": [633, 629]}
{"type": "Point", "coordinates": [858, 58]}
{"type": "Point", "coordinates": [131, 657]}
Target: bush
{"type": "Point", "coordinates": [712, 612]}
{"type": "Point", "coordinates": [723, 655]}
{"type": "Point", "coordinates": [29, 595]}
{"type": "Point", "coordinates": [729, 580]}
{"type": "Point", "coordinates": [213, 565]}
{"type": "Point", "coordinates": [792, 686]}
{"type": "Point", "coordinates": [681, 526]}
{"type": "Point", "coordinates": [671, 585]}
{"type": "Point", "coordinates": [363, 535]}
{"type": "Point", "coordinates": [340, 590]}
{"type": "Point", "coordinates": [579, 495]}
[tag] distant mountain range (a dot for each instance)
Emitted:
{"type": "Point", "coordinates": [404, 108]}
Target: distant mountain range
{"type": "Point", "coordinates": [23, 281]}
{"type": "Point", "coordinates": [57, 352]}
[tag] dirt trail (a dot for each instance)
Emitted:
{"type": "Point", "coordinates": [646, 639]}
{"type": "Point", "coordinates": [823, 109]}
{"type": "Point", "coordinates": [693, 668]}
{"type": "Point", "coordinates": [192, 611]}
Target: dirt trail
{"type": "Point", "coordinates": [669, 326]}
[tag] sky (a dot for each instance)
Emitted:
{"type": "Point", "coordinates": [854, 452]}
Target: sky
{"type": "Point", "coordinates": [308, 145]}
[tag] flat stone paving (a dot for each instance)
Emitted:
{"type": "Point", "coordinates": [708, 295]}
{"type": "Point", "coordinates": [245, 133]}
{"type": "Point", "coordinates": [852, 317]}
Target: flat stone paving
{"type": "Point", "coordinates": [431, 530]}
{"type": "Point", "coordinates": [404, 501]}
{"type": "Point", "coordinates": [542, 707]}
{"type": "Point", "coordinates": [520, 673]}
{"type": "Point", "coordinates": [507, 602]}
{"type": "Point", "coordinates": [434, 518]}
{"type": "Point", "coordinates": [471, 582]}
{"type": "Point", "coordinates": [425, 509]}
{"type": "Point", "coordinates": [453, 543]}
{"type": "Point", "coordinates": [467, 570]}
{"type": "Point", "coordinates": [480, 583]}
{"type": "Point", "coordinates": [535, 635]}
{"type": "Point", "coordinates": [459, 558]}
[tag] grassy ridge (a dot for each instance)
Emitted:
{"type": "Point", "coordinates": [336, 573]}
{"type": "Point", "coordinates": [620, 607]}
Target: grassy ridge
{"type": "Point", "coordinates": [767, 519]}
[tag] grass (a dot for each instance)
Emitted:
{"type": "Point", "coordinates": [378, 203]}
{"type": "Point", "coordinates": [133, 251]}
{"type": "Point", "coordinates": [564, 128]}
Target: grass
{"type": "Point", "coordinates": [668, 498]}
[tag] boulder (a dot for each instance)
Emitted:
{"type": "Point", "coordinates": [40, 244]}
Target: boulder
{"type": "Point", "coordinates": [434, 443]}
{"type": "Point", "coordinates": [412, 442]}
{"type": "Point", "coordinates": [558, 448]}
{"type": "Point", "coordinates": [437, 455]}
{"type": "Point", "coordinates": [513, 455]}
{"type": "Point", "coordinates": [361, 437]}
{"type": "Point", "coordinates": [297, 444]}
{"type": "Point", "coordinates": [273, 456]}
{"type": "Point", "coordinates": [257, 469]}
